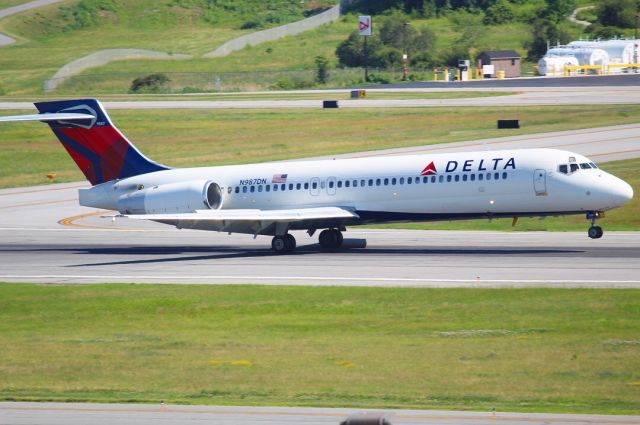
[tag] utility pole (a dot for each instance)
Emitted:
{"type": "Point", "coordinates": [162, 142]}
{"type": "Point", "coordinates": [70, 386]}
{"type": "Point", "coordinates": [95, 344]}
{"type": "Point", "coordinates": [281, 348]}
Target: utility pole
{"type": "Point", "coordinates": [635, 43]}
{"type": "Point", "coordinates": [405, 54]}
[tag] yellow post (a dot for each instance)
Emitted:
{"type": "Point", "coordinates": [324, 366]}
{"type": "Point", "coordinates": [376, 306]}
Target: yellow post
{"type": "Point", "coordinates": [435, 74]}
{"type": "Point", "coordinates": [459, 74]}
{"type": "Point", "coordinates": [445, 74]}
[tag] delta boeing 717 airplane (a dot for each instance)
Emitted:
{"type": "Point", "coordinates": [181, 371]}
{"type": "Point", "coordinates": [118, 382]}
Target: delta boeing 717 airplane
{"type": "Point", "coordinates": [329, 195]}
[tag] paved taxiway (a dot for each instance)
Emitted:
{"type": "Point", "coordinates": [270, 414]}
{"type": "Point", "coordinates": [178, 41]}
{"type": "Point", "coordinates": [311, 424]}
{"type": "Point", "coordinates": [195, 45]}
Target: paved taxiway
{"type": "Point", "coordinates": [87, 248]}
{"type": "Point", "coordinates": [127, 414]}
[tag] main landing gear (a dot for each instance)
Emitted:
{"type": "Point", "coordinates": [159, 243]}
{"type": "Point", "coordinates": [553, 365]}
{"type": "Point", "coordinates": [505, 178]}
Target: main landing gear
{"type": "Point", "coordinates": [330, 239]}
{"type": "Point", "coordinates": [283, 244]}
{"type": "Point", "coordinates": [595, 232]}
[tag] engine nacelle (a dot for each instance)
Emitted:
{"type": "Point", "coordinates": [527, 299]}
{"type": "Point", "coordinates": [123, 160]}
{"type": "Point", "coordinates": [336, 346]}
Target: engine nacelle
{"type": "Point", "coordinates": [172, 198]}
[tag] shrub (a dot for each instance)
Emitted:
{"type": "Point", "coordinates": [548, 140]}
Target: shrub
{"type": "Point", "coordinates": [149, 84]}
{"type": "Point", "coordinates": [322, 69]}
{"type": "Point", "coordinates": [500, 12]}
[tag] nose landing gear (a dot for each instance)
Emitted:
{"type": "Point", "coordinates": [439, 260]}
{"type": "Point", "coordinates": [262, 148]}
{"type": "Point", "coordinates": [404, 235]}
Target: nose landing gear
{"type": "Point", "coordinates": [595, 232]}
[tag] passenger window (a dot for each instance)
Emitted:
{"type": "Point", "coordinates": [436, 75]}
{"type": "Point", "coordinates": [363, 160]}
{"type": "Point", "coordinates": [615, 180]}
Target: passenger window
{"type": "Point", "coordinates": [275, 187]}
{"type": "Point", "coordinates": [283, 187]}
{"type": "Point", "coordinates": [563, 168]}
{"type": "Point", "coordinates": [362, 183]}
{"type": "Point", "coordinates": [260, 188]}
{"type": "Point", "coordinates": [252, 189]}
{"type": "Point", "coordinates": [401, 180]}
{"type": "Point", "coordinates": [393, 181]}
{"type": "Point", "coordinates": [237, 189]}
{"type": "Point", "coordinates": [488, 176]}
{"type": "Point", "coordinates": [480, 177]}
{"type": "Point", "coordinates": [449, 178]}
{"type": "Point", "coordinates": [339, 184]}
{"type": "Point", "coordinates": [504, 175]}
{"type": "Point", "coordinates": [464, 177]}
{"type": "Point", "coordinates": [409, 180]}
{"type": "Point", "coordinates": [306, 186]}
{"type": "Point", "coordinates": [290, 186]}
{"type": "Point", "coordinates": [331, 184]}
{"type": "Point", "coordinates": [355, 183]}
{"type": "Point", "coordinates": [386, 182]}
{"type": "Point", "coordinates": [244, 189]}
{"type": "Point", "coordinates": [298, 186]}
{"type": "Point", "coordinates": [314, 185]}
{"type": "Point", "coordinates": [417, 180]}
{"type": "Point", "coordinates": [441, 179]}
{"type": "Point", "coordinates": [370, 182]}
{"type": "Point", "coordinates": [496, 176]}
{"type": "Point", "coordinates": [378, 182]}
{"type": "Point", "coordinates": [457, 177]}
{"type": "Point", "coordinates": [433, 179]}
{"type": "Point", "coordinates": [229, 189]}
{"type": "Point", "coordinates": [425, 179]}
{"type": "Point", "coordinates": [473, 177]}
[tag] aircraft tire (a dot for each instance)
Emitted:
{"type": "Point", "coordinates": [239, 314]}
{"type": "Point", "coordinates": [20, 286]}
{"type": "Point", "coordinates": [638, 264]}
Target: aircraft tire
{"type": "Point", "coordinates": [595, 232]}
{"type": "Point", "coordinates": [330, 239]}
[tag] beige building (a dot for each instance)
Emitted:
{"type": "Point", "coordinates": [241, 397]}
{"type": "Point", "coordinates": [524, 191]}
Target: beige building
{"type": "Point", "coordinates": [502, 60]}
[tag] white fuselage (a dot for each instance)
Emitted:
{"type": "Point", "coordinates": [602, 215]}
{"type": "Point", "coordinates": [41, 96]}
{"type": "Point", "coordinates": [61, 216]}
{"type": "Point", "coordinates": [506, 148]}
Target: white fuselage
{"type": "Point", "coordinates": [396, 188]}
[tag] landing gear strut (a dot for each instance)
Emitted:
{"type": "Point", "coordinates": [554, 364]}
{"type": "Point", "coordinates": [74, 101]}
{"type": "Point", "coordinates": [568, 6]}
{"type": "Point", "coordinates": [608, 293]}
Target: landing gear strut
{"type": "Point", "coordinates": [283, 244]}
{"type": "Point", "coordinates": [330, 239]}
{"type": "Point", "coordinates": [595, 232]}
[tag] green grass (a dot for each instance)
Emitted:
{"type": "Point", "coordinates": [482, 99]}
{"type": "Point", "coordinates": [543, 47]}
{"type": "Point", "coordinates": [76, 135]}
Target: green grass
{"type": "Point", "coordinates": [8, 3]}
{"type": "Point", "coordinates": [537, 350]}
{"type": "Point", "coordinates": [626, 218]}
{"type": "Point", "coordinates": [188, 138]}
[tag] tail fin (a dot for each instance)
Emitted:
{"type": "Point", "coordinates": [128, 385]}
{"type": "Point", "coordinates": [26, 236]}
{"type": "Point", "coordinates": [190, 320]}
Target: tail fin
{"type": "Point", "coordinates": [101, 151]}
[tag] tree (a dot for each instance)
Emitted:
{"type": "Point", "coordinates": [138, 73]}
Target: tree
{"type": "Point", "coordinates": [545, 31]}
{"type": "Point", "coordinates": [557, 10]}
{"type": "Point", "coordinates": [500, 12]}
{"type": "Point", "coordinates": [618, 13]}
{"type": "Point", "coordinates": [322, 69]}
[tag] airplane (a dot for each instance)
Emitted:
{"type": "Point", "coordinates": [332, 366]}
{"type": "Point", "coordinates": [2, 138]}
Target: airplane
{"type": "Point", "coordinates": [328, 195]}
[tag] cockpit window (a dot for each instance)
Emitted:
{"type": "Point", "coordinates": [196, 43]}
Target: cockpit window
{"type": "Point", "coordinates": [585, 166]}
{"type": "Point", "coordinates": [593, 165]}
{"type": "Point", "coordinates": [574, 167]}
{"type": "Point", "coordinates": [563, 169]}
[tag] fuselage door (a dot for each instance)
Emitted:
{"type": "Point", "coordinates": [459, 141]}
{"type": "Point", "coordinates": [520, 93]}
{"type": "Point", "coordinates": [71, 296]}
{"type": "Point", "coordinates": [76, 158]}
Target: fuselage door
{"type": "Point", "coordinates": [331, 186]}
{"type": "Point", "coordinates": [540, 182]}
{"type": "Point", "coordinates": [314, 188]}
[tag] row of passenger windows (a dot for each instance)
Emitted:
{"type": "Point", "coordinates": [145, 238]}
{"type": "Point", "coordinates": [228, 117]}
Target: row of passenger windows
{"type": "Point", "coordinates": [387, 181]}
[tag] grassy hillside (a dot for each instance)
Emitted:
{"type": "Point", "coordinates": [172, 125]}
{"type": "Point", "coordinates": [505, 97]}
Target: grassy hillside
{"type": "Point", "coordinates": [53, 36]}
{"type": "Point", "coordinates": [532, 350]}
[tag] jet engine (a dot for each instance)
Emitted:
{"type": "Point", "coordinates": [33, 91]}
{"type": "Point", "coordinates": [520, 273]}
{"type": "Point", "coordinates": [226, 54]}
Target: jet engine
{"type": "Point", "coordinates": [170, 198]}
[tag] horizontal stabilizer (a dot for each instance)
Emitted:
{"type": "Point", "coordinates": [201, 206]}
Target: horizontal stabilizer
{"type": "Point", "coordinates": [49, 117]}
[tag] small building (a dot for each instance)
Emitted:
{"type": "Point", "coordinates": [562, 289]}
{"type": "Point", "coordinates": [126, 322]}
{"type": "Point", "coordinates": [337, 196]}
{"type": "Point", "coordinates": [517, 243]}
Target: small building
{"type": "Point", "coordinates": [502, 60]}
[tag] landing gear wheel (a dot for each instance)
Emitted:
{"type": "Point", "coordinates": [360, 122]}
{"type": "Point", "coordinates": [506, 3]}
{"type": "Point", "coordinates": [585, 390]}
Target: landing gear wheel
{"type": "Point", "coordinates": [595, 232]}
{"type": "Point", "coordinates": [330, 239]}
{"type": "Point", "coordinates": [283, 244]}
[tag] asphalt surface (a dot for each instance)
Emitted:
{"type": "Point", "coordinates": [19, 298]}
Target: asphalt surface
{"type": "Point", "coordinates": [46, 237]}
{"type": "Point", "coordinates": [127, 414]}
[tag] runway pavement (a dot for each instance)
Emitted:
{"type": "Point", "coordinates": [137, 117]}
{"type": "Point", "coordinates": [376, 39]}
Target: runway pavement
{"type": "Point", "coordinates": [46, 237]}
{"type": "Point", "coordinates": [524, 96]}
{"type": "Point", "coordinates": [127, 414]}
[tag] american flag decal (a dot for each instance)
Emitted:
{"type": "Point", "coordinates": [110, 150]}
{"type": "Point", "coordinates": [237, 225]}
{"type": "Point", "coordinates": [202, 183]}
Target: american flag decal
{"type": "Point", "coordinates": [279, 178]}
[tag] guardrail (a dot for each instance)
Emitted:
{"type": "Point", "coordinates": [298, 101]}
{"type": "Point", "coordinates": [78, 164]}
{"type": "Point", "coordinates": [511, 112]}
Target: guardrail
{"type": "Point", "coordinates": [581, 69]}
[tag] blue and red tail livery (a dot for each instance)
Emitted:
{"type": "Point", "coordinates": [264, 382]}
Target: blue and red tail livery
{"type": "Point", "coordinates": [101, 151]}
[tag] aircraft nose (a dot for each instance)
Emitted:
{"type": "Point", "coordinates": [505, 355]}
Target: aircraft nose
{"type": "Point", "coordinates": [621, 191]}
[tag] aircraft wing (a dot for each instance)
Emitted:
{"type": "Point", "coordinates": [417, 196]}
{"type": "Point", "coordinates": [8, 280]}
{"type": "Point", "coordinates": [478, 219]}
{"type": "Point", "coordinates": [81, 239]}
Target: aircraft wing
{"type": "Point", "coordinates": [249, 220]}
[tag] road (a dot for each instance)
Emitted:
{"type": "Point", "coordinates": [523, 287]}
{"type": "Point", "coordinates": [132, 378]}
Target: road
{"type": "Point", "coordinates": [127, 414]}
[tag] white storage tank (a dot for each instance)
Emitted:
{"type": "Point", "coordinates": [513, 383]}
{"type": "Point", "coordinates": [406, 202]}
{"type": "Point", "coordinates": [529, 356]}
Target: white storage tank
{"type": "Point", "coordinates": [554, 65]}
{"type": "Point", "coordinates": [591, 56]}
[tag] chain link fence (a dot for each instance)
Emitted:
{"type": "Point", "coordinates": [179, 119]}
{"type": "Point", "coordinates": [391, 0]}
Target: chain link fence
{"type": "Point", "coordinates": [215, 82]}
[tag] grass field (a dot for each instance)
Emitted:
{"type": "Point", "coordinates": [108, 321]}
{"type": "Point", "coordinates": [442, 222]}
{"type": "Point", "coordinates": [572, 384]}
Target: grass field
{"type": "Point", "coordinates": [184, 138]}
{"type": "Point", "coordinates": [516, 350]}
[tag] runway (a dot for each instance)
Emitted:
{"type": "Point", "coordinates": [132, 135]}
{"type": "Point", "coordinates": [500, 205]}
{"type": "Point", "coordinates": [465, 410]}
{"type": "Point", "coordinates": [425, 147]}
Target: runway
{"type": "Point", "coordinates": [127, 414]}
{"type": "Point", "coordinates": [524, 95]}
